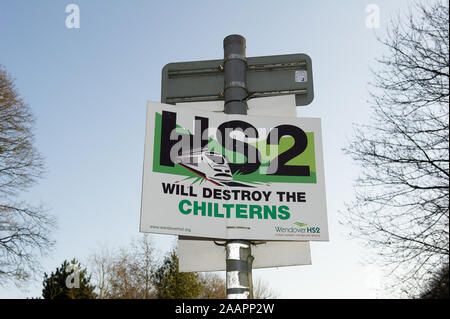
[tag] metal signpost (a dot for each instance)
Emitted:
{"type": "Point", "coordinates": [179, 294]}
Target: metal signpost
{"type": "Point", "coordinates": [239, 257]}
{"type": "Point", "coordinates": [235, 80]}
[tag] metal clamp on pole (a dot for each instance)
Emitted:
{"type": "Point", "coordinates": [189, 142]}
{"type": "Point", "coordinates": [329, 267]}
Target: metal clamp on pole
{"type": "Point", "coordinates": [239, 269]}
{"type": "Point", "coordinates": [235, 56]}
{"type": "Point", "coordinates": [239, 260]}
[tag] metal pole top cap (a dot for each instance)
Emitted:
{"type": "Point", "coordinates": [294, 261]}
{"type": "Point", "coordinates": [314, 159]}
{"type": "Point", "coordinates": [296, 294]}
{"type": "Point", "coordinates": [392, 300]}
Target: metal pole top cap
{"type": "Point", "coordinates": [234, 39]}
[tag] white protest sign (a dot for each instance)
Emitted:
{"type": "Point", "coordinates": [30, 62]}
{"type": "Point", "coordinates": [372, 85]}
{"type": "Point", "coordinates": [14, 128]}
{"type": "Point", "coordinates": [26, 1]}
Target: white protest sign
{"type": "Point", "coordinates": [232, 176]}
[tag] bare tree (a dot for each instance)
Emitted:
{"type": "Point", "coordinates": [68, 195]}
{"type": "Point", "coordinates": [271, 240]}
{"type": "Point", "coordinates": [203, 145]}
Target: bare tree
{"type": "Point", "coordinates": [144, 265]}
{"type": "Point", "coordinates": [213, 286]}
{"type": "Point", "coordinates": [24, 229]}
{"type": "Point", "coordinates": [100, 263]}
{"type": "Point", "coordinates": [261, 290]}
{"type": "Point", "coordinates": [402, 196]}
{"type": "Point", "coordinates": [125, 273]}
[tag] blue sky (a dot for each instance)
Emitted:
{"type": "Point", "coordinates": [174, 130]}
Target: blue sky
{"type": "Point", "coordinates": [88, 89]}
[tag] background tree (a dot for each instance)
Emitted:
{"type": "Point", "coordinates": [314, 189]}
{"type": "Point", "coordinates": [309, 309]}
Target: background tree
{"type": "Point", "coordinates": [402, 197]}
{"type": "Point", "coordinates": [172, 284]}
{"type": "Point", "coordinates": [261, 290]}
{"type": "Point", "coordinates": [134, 272]}
{"type": "Point", "coordinates": [212, 286]}
{"type": "Point", "coordinates": [125, 273]}
{"type": "Point", "coordinates": [437, 287]}
{"type": "Point", "coordinates": [24, 229]}
{"type": "Point", "coordinates": [100, 268]}
{"type": "Point", "coordinates": [69, 281]}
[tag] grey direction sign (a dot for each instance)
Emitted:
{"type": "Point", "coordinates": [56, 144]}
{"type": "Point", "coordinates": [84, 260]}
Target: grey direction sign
{"type": "Point", "coordinates": [204, 254]}
{"type": "Point", "coordinates": [266, 76]}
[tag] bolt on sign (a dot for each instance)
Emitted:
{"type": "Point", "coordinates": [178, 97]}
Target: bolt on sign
{"type": "Point", "coordinates": [229, 176]}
